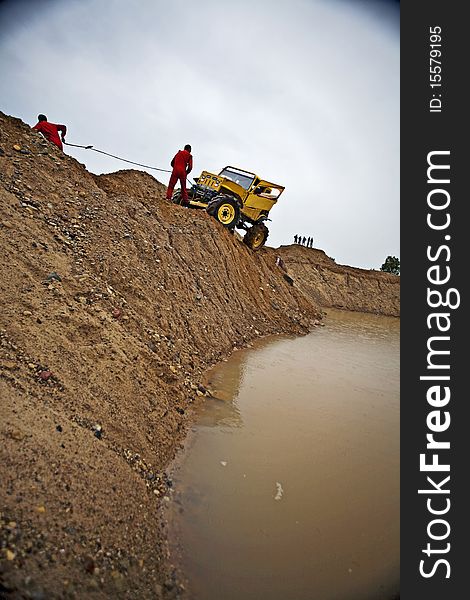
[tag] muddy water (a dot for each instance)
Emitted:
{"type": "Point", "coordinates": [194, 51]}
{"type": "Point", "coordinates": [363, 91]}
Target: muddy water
{"type": "Point", "coordinates": [289, 489]}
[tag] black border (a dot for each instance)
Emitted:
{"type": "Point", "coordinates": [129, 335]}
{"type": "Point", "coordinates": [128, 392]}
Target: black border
{"type": "Point", "coordinates": [421, 132]}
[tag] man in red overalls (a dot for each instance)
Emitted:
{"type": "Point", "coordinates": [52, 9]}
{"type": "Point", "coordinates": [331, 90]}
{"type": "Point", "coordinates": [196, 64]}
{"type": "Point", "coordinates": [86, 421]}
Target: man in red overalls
{"type": "Point", "coordinates": [182, 164]}
{"type": "Point", "coordinates": [51, 131]}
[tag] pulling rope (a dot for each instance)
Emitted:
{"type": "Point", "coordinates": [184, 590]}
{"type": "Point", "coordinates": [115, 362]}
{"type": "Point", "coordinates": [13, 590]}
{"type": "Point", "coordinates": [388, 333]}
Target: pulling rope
{"type": "Point", "coordinates": [117, 157]}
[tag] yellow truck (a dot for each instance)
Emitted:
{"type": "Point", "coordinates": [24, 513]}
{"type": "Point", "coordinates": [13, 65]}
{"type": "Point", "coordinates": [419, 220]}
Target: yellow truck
{"type": "Point", "coordinates": [236, 198]}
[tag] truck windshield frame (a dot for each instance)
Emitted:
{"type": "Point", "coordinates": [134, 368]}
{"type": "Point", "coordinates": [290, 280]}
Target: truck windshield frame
{"type": "Point", "coordinates": [241, 178]}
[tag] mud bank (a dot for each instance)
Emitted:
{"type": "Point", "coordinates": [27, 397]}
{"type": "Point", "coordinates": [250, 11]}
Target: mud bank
{"type": "Point", "coordinates": [339, 286]}
{"type": "Point", "coordinates": [114, 303]}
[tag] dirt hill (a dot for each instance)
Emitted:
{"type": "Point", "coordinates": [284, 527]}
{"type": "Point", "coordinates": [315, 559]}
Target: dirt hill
{"type": "Point", "coordinates": [339, 286]}
{"type": "Point", "coordinates": [114, 304]}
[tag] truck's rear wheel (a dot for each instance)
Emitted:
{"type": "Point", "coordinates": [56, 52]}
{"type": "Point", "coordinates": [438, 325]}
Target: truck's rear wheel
{"type": "Point", "coordinates": [256, 236]}
{"type": "Point", "coordinates": [225, 210]}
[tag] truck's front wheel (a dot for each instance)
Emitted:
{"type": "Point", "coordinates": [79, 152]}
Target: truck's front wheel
{"type": "Point", "coordinates": [225, 210]}
{"type": "Point", "coordinates": [177, 197]}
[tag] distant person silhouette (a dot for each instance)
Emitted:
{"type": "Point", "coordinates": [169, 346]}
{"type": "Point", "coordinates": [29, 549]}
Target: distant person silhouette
{"type": "Point", "coordinates": [303, 241]}
{"type": "Point", "coordinates": [182, 164]}
{"type": "Point", "coordinates": [51, 131]}
{"type": "Point", "coordinates": [295, 239]}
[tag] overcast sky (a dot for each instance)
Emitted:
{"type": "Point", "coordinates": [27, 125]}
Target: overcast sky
{"type": "Point", "coordinates": [303, 92]}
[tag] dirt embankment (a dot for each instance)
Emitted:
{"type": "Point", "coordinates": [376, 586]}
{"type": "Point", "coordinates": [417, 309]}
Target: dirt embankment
{"type": "Point", "coordinates": [339, 286]}
{"type": "Point", "coordinates": [114, 303]}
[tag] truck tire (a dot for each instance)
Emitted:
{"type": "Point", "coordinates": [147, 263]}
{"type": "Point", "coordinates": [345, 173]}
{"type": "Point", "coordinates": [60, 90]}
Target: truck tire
{"type": "Point", "coordinates": [177, 197]}
{"type": "Point", "coordinates": [256, 236]}
{"type": "Point", "coordinates": [224, 209]}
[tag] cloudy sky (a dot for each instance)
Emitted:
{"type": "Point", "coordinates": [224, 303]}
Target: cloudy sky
{"type": "Point", "coordinates": [303, 92]}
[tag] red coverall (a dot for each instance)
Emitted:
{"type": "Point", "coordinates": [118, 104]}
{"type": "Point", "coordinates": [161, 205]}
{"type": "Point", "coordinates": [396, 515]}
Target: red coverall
{"type": "Point", "coordinates": [182, 164]}
{"type": "Point", "coordinates": [51, 132]}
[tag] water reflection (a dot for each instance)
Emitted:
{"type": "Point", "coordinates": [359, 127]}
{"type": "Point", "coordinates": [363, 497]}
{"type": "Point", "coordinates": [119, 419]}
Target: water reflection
{"type": "Point", "coordinates": [220, 413]}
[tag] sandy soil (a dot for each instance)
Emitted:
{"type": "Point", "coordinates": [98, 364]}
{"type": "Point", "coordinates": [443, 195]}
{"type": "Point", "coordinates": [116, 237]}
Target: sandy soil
{"type": "Point", "coordinates": [338, 286]}
{"type": "Point", "coordinates": [114, 304]}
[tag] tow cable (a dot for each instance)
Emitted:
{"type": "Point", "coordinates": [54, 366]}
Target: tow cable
{"type": "Point", "coordinates": [117, 157]}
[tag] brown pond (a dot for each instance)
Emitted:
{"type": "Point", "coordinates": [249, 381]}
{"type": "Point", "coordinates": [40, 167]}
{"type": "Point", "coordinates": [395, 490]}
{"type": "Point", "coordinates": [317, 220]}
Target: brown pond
{"type": "Point", "coordinates": [289, 486]}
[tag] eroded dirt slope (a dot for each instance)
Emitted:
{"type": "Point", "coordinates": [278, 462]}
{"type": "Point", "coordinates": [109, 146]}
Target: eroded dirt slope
{"type": "Point", "coordinates": [114, 302]}
{"type": "Point", "coordinates": [340, 286]}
